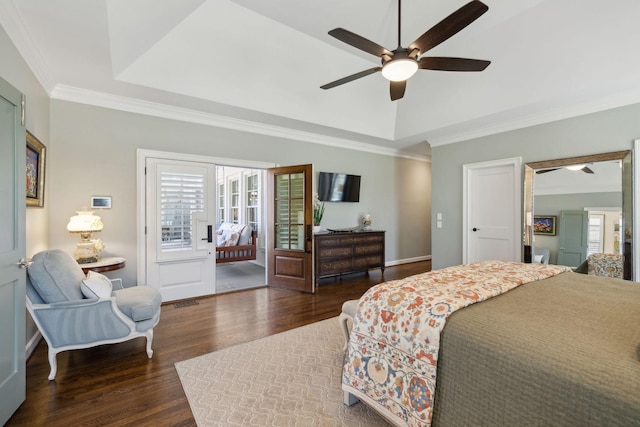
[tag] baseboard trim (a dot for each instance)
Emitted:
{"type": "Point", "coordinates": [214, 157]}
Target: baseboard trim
{"type": "Point", "coordinates": [407, 260]}
{"type": "Point", "coordinates": [32, 344]}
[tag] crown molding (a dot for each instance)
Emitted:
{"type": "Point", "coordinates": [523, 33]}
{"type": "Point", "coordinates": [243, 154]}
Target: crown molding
{"type": "Point", "coordinates": [621, 98]}
{"type": "Point", "coordinates": [138, 106]}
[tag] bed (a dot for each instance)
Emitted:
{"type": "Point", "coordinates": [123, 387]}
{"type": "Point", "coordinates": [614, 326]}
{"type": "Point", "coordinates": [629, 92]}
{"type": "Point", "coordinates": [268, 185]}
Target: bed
{"type": "Point", "coordinates": [562, 350]}
{"type": "Point", "coordinates": [235, 242]}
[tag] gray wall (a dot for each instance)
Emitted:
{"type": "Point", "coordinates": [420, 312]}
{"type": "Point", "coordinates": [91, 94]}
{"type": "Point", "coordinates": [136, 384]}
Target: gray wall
{"type": "Point", "coordinates": [14, 70]}
{"type": "Point", "coordinates": [556, 203]}
{"type": "Point", "coordinates": [610, 130]}
{"type": "Point", "coordinates": [96, 155]}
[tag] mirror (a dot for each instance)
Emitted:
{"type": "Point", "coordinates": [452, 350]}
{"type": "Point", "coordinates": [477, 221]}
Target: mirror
{"type": "Point", "coordinates": [569, 214]}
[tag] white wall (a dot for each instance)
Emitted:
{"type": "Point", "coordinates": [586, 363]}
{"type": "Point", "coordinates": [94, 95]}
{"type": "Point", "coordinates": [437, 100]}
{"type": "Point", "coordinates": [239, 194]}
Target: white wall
{"type": "Point", "coordinates": [96, 155]}
{"type": "Point", "coordinates": [605, 131]}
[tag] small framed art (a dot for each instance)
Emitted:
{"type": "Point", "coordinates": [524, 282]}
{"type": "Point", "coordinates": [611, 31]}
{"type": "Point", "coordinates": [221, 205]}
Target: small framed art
{"type": "Point", "coordinates": [544, 225]}
{"type": "Point", "coordinates": [35, 171]}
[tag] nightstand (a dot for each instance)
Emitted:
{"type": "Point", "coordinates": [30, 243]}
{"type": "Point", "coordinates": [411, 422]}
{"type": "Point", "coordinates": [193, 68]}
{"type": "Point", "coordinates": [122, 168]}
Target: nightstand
{"type": "Point", "coordinates": [104, 264]}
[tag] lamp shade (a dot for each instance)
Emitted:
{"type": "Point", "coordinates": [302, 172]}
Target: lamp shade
{"type": "Point", "coordinates": [84, 222]}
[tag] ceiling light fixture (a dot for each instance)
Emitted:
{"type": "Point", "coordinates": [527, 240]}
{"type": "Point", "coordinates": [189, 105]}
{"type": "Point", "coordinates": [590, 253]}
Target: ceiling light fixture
{"type": "Point", "coordinates": [576, 167]}
{"type": "Point", "coordinates": [400, 68]}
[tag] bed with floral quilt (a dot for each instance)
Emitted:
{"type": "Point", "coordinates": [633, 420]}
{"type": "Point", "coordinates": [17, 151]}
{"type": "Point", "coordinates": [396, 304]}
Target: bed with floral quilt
{"type": "Point", "coordinates": [498, 343]}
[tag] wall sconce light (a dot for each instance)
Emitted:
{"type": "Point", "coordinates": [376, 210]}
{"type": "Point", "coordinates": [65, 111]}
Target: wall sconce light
{"type": "Point", "coordinates": [85, 223]}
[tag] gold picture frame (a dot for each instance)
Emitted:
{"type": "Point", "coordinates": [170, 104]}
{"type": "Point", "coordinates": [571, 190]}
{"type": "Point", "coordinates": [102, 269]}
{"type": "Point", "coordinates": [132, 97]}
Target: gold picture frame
{"type": "Point", "coordinates": [36, 157]}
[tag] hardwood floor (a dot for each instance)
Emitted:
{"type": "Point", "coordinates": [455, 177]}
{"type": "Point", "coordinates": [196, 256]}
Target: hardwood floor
{"type": "Point", "coordinates": [118, 385]}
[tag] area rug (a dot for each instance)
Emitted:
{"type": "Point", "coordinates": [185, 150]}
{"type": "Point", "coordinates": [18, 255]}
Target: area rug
{"type": "Point", "coordinates": [289, 379]}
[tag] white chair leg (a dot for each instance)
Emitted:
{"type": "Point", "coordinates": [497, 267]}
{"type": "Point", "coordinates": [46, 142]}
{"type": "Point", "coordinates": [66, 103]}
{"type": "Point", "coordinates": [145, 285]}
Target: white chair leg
{"type": "Point", "coordinates": [53, 364]}
{"type": "Point", "coordinates": [149, 336]}
{"type": "Point", "coordinates": [349, 399]}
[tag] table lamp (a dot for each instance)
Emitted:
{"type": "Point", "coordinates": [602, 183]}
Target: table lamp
{"type": "Point", "coordinates": [85, 223]}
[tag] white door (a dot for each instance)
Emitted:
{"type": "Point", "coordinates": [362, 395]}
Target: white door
{"type": "Point", "coordinates": [180, 248]}
{"type": "Point", "coordinates": [492, 211]}
{"type": "Point", "coordinates": [12, 249]}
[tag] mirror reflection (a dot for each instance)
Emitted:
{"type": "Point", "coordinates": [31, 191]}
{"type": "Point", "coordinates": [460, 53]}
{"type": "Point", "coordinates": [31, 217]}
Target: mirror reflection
{"type": "Point", "coordinates": [578, 212]}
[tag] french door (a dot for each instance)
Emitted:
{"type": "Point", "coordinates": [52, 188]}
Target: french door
{"type": "Point", "coordinates": [12, 249]}
{"type": "Point", "coordinates": [290, 237]}
{"type": "Point", "coordinates": [180, 216]}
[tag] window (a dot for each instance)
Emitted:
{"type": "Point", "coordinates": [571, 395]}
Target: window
{"type": "Point", "coordinates": [181, 196]}
{"type": "Point", "coordinates": [252, 202]}
{"type": "Point", "coordinates": [596, 233]}
{"type": "Point", "coordinates": [235, 201]}
{"type": "Point", "coordinates": [221, 204]}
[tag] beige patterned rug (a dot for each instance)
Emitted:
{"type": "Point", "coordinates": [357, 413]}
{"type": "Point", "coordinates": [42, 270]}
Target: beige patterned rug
{"type": "Point", "coordinates": [289, 379]}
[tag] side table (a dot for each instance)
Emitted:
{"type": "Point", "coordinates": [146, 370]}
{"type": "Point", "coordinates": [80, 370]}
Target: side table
{"type": "Point", "coordinates": [104, 264]}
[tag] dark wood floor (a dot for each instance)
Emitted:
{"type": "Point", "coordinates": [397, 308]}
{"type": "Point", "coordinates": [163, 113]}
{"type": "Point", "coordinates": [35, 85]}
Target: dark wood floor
{"type": "Point", "coordinates": [118, 385]}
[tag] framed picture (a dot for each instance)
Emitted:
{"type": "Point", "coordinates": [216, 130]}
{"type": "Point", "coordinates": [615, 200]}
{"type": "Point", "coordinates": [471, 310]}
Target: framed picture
{"type": "Point", "coordinates": [100, 202]}
{"type": "Point", "coordinates": [544, 225]}
{"type": "Point", "coordinates": [36, 152]}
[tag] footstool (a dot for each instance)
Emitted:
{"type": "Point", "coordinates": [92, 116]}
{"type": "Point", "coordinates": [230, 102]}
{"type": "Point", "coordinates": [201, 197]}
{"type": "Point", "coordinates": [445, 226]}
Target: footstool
{"type": "Point", "coordinates": [346, 318]}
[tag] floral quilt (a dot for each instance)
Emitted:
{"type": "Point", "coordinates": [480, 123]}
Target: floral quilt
{"type": "Point", "coordinates": [392, 355]}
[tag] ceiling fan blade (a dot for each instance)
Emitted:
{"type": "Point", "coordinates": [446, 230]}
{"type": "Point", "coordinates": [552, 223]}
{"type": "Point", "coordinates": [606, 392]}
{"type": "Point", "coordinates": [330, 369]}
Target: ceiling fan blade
{"type": "Point", "coordinates": [351, 78]}
{"type": "Point", "coordinates": [442, 63]}
{"type": "Point", "coordinates": [397, 89]}
{"type": "Point", "coordinates": [449, 26]}
{"type": "Point", "coordinates": [586, 170]}
{"type": "Point", "coordinates": [359, 42]}
{"type": "Point", "coordinates": [547, 170]}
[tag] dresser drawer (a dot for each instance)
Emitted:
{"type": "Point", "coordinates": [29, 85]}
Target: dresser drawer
{"type": "Point", "coordinates": [334, 267]}
{"type": "Point", "coordinates": [371, 248]}
{"type": "Point", "coordinates": [335, 252]}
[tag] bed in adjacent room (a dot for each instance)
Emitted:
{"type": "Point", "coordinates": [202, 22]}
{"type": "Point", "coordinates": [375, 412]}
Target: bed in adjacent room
{"type": "Point", "coordinates": [546, 346]}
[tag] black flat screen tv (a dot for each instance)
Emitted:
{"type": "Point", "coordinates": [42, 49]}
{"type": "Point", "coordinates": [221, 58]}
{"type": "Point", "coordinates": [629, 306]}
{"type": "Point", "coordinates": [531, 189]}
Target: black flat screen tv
{"type": "Point", "coordinates": [338, 187]}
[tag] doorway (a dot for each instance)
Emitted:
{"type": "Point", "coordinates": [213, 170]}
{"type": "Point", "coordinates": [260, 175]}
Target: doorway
{"type": "Point", "coordinates": [240, 204]}
{"type": "Point", "coordinates": [491, 211]}
{"type": "Point", "coordinates": [179, 207]}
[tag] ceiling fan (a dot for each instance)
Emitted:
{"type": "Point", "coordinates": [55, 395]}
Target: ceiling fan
{"type": "Point", "coordinates": [400, 64]}
{"type": "Point", "coordinates": [583, 168]}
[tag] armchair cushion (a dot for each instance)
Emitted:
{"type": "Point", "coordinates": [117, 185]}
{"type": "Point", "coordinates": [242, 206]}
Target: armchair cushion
{"type": "Point", "coordinates": [138, 302]}
{"type": "Point", "coordinates": [607, 265]}
{"type": "Point", "coordinates": [96, 285]}
{"type": "Point", "coordinates": [56, 276]}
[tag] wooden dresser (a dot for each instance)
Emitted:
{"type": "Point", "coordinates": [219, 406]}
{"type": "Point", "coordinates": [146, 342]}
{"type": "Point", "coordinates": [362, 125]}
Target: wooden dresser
{"type": "Point", "coordinates": [348, 252]}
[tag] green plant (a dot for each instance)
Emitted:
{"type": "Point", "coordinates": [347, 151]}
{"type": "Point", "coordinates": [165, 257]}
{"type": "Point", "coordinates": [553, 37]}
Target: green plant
{"type": "Point", "coordinates": [318, 209]}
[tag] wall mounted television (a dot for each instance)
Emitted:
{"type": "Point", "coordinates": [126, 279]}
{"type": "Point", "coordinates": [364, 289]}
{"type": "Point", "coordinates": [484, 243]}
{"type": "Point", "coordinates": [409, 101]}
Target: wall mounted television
{"type": "Point", "coordinates": [338, 187]}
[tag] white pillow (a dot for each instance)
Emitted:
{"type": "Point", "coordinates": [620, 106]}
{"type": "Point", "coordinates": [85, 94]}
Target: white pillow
{"type": "Point", "coordinates": [96, 285]}
{"type": "Point", "coordinates": [538, 258]}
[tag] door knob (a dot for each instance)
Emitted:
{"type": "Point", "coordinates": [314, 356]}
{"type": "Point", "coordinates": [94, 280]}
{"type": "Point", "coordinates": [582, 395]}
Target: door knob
{"type": "Point", "coordinates": [475, 229]}
{"type": "Point", "coordinates": [24, 262]}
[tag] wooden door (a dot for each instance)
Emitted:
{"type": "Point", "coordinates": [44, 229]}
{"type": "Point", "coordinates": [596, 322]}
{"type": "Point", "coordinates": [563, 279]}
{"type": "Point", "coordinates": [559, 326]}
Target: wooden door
{"type": "Point", "coordinates": [573, 238]}
{"type": "Point", "coordinates": [491, 223]}
{"type": "Point", "coordinates": [289, 218]}
{"type": "Point", "coordinates": [12, 249]}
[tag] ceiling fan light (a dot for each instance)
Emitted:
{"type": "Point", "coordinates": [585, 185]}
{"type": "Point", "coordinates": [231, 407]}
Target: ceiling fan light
{"type": "Point", "coordinates": [398, 70]}
{"type": "Point", "coordinates": [576, 167]}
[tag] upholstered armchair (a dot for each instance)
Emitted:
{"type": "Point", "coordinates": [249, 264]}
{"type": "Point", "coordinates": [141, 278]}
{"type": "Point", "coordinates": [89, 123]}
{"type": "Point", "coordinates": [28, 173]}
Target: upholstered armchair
{"type": "Point", "coordinates": [74, 311]}
{"type": "Point", "coordinates": [600, 264]}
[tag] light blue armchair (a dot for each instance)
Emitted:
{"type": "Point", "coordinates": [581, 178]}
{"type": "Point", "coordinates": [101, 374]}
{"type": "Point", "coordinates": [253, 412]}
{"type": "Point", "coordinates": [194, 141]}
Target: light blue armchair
{"type": "Point", "coordinates": [74, 311]}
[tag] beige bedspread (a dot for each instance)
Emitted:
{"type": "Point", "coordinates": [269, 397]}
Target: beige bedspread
{"type": "Point", "coordinates": [563, 351]}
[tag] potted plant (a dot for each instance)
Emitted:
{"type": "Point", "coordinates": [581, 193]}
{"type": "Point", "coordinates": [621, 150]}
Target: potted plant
{"type": "Point", "coordinates": [318, 212]}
